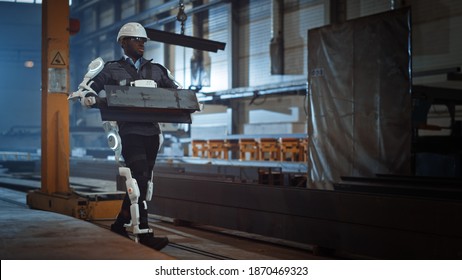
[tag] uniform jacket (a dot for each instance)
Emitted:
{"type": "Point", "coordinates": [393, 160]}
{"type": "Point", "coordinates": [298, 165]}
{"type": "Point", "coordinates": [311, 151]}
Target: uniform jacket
{"type": "Point", "coordinates": [121, 73]}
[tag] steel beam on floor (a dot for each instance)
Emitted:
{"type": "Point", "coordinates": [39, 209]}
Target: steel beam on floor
{"type": "Point", "coordinates": [372, 225]}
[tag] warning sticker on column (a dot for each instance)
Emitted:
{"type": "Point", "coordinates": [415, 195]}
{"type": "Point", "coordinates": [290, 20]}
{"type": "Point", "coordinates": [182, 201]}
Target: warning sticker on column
{"type": "Point", "coordinates": [58, 59]}
{"type": "Point", "coordinates": [57, 80]}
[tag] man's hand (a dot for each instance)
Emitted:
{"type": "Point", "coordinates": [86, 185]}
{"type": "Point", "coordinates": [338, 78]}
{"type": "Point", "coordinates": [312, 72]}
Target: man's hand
{"type": "Point", "coordinates": [88, 101]}
{"type": "Point", "coordinates": [89, 98]}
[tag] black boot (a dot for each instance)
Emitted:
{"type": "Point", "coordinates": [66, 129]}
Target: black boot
{"type": "Point", "coordinates": [157, 243]}
{"type": "Point", "coordinates": [119, 229]}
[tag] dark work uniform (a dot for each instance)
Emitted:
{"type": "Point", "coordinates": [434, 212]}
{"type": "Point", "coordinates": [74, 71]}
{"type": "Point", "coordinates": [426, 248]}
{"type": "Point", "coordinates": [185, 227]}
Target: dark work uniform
{"type": "Point", "coordinates": [140, 141]}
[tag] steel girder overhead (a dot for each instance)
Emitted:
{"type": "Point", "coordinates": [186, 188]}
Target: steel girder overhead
{"type": "Point", "coordinates": [184, 40]}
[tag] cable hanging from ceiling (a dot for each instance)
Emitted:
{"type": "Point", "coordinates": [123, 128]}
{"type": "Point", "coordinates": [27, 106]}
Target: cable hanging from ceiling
{"type": "Point", "coordinates": [181, 16]}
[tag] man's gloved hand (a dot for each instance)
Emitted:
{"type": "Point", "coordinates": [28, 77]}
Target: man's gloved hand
{"type": "Point", "coordinates": [89, 99]}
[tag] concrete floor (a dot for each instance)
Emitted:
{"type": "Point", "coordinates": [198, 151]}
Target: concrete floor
{"type": "Point", "coordinates": [28, 234]}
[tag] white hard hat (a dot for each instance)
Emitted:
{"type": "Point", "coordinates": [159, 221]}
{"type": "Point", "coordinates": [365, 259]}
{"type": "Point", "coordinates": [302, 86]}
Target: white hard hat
{"type": "Point", "coordinates": [132, 29]}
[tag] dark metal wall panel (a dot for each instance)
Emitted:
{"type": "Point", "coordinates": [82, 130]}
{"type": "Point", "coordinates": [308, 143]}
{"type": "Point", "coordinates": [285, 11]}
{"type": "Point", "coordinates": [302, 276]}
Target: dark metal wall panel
{"type": "Point", "coordinates": [361, 8]}
{"type": "Point", "coordinates": [436, 37]}
{"type": "Point", "coordinates": [372, 225]}
{"type": "Point", "coordinates": [373, 242]}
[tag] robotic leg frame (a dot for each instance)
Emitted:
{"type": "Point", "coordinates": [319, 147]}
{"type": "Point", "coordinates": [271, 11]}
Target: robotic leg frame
{"type": "Point", "coordinates": [134, 194]}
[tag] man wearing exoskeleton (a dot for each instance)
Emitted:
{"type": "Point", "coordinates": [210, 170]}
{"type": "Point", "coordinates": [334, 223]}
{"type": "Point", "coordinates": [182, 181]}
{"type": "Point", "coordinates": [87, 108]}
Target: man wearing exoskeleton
{"type": "Point", "coordinates": [140, 140]}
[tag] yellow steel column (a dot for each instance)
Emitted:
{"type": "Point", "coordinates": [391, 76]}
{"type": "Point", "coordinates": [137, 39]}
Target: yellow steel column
{"type": "Point", "coordinates": [55, 106]}
{"type": "Point", "coordinates": [55, 192]}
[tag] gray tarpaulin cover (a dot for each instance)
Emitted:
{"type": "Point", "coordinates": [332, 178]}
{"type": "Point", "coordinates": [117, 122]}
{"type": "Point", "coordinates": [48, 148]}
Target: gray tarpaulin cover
{"type": "Point", "coordinates": [360, 98]}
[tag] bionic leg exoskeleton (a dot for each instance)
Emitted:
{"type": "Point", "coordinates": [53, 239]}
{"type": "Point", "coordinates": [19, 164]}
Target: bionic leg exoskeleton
{"type": "Point", "coordinates": [134, 194]}
{"type": "Point", "coordinates": [133, 191]}
{"type": "Point", "coordinates": [113, 139]}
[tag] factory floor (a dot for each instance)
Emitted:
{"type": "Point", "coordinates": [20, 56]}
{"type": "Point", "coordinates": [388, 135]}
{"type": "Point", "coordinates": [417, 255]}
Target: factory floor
{"type": "Point", "coordinates": [35, 234]}
{"type": "Point", "coordinates": [30, 234]}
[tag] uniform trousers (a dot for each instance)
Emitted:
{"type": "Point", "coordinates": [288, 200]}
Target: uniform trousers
{"type": "Point", "coordinates": [139, 153]}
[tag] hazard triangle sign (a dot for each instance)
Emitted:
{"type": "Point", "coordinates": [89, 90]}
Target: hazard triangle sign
{"type": "Point", "coordinates": [58, 59]}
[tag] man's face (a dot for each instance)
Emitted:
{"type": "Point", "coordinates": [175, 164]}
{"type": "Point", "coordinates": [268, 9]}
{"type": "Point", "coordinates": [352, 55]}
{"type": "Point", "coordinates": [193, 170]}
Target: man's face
{"type": "Point", "coordinates": [133, 46]}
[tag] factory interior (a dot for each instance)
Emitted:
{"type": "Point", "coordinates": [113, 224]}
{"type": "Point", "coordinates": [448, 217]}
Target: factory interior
{"type": "Point", "coordinates": [331, 124]}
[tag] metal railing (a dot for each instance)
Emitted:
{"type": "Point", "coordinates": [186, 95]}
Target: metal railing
{"type": "Point", "coordinates": [4, 156]}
